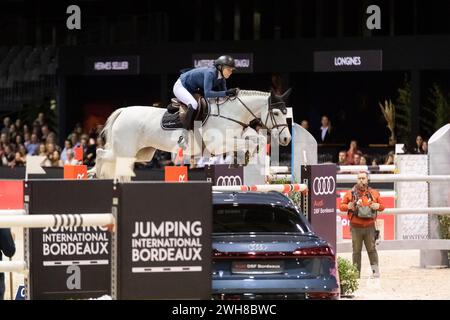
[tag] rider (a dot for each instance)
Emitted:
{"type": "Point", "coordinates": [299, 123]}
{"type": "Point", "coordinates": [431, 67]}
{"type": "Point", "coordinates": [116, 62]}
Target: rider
{"type": "Point", "coordinates": [210, 80]}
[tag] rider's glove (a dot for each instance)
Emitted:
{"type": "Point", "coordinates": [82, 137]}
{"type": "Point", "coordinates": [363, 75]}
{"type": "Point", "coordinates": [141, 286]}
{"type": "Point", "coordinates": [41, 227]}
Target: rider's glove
{"type": "Point", "coordinates": [231, 92]}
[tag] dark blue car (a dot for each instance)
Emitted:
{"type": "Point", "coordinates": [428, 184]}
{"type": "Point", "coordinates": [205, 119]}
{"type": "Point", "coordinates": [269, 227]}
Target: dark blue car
{"type": "Point", "coordinates": [264, 248]}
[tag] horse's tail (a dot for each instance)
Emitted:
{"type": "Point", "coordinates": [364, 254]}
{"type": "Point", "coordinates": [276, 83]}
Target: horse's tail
{"type": "Point", "coordinates": [107, 130]}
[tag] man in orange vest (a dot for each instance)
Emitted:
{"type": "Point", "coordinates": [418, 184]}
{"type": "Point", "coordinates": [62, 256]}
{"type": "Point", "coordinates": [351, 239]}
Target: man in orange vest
{"type": "Point", "coordinates": [362, 204]}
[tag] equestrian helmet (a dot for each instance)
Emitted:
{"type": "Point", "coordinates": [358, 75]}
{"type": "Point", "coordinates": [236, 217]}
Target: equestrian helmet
{"type": "Point", "coordinates": [225, 61]}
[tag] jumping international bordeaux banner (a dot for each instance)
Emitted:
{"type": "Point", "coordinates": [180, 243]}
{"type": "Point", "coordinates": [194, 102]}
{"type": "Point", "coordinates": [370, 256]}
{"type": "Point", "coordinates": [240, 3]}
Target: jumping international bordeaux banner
{"type": "Point", "coordinates": [322, 199]}
{"type": "Point", "coordinates": [164, 240]}
{"type": "Point", "coordinates": [69, 262]}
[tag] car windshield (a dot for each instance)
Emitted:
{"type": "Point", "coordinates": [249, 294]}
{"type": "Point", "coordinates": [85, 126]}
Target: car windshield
{"type": "Point", "coordinates": [257, 218]}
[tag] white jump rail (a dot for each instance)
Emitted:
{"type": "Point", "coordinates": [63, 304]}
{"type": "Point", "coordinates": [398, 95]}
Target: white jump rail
{"type": "Point", "coordinates": [351, 178]}
{"type": "Point", "coordinates": [423, 244]}
{"type": "Point", "coordinates": [352, 168]}
{"type": "Point", "coordinates": [430, 210]}
{"type": "Point", "coordinates": [12, 212]}
{"type": "Point", "coordinates": [284, 188]}
{"type": "Point", "coordinates": [13, 266]}
{"type": "Point", "coordinates": [56, 220]}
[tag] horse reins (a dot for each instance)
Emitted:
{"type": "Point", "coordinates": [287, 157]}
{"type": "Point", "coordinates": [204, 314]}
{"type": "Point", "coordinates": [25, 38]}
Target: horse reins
{"type": "Point", "coordinates": [263, 124]}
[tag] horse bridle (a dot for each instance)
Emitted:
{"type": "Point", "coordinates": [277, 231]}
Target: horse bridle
{"type": "Point", "coordinates": [272, 106]}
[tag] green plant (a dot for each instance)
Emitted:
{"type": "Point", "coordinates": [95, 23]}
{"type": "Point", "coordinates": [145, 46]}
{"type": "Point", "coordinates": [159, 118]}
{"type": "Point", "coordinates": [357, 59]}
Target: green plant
{"type": "Point", "coordinates": [442, 106]}
{"type": "Point", "coordinates": [296, 197]}
{"type": "Point", "coordinates": [403, 112]}
{"type": "Point", "coordinates": [444, 223]}
{"type": "Point", "coordinates": [348, 276]}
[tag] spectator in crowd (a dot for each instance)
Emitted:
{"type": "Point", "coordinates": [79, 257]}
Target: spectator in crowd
{"type": "Point", "coordinates": [425, 147]}
{"type": "Point", "coordinates": [363, 160]}
{"type": "Point", "coordinates": [67, 146]}
{"type": "Point", "coordinates": [12, 132]}
{"type": "Point", "coordinates": [74, 138]}
{"type": "Point", "coordinates": [42, 151]}
{"type": "Point", "coordinates": [375, 161]}
{"type": "Point", "coordinates": [389, 158]}
{"type": "Point", "coordinates": [22, 150]}
{"type": "Point", "coordinates": [362, 204]}
{"type": "Point", "coordinates": [26, 129]}
{"type": "Point", "coordinates": [44, 132]}
{"type": "Point", "coordinates": [305, 124]}
{"type": "Point", "coordinates": [4, 138]}
{"type": "Point", "coordinates": [7, 248]}
{"type": "Point", "coordinates": [357, 159]}
{"type": "Point", "coordinates": [8, 155]}
{"type": "Point", "coordinates": [342, 158]}
{"type": "Point", "coordinates": [351, 151]}
{"type": "Point", "coordinates": [33, 145]}
{"type": "Point", "coordinates": [18, 161]}
{"type": "Point", "coordinates": [26, 138]}
{"type": "Point", "coordinates": [6, 124]}
{"type": "Point", "coordinates": [18, 140]}
{"type": "Point", "coordinates": [19, 125]}
{"type": "Point", "coordinates": [40, 120]}
{"type": "Point", "coordinates": [90, 153]}
{"type": "Point", "coordinates": [418, 148]}
{"type": "Point", "coordinates": [70, 158]}
{"type": "Point", "coordinates": [53, 160]}
{"type": "Point", "coordinates": [324, 135]}
{"type": "Point", "coordinates": [50, 147]}
{"type": "Point", "coordinates": [56, 159]}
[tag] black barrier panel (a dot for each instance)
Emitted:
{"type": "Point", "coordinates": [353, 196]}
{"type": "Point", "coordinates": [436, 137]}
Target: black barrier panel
{"type": "Point", "coordinates": [164, 240]}
{"type": "Point", "coordinates": [321, 180]}
{"type": "Point", "coordinates": [225, 175]}
{"type": "Point", "coordinates": [69, 263]}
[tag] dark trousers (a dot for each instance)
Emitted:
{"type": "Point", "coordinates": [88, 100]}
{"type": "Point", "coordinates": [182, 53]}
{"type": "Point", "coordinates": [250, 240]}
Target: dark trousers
{"type": "Point", "coordinates": [366, 235]}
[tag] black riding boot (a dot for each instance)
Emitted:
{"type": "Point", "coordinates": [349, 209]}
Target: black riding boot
{"type": "Point", "coordinates": [189, 115]}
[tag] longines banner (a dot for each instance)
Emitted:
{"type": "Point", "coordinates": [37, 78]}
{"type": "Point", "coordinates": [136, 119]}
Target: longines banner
{"type": "Point", "coordinates": [164, 240]}
{"type": "Point", "coordinates": [225, 175]}
{"type": "Point", "coordinates": [322, 199]}
{"type": "Point", "coordinates": [244, 61]}
{"type": "Point", "coordinates": [365, 60]}
{"type": "Point", "coordinates": [69, 262]}
{"type": "Point", "coordinates": [112, 65]}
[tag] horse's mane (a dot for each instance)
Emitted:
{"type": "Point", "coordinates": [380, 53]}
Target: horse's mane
{"type": "Point", "coordinates": [253, 93]}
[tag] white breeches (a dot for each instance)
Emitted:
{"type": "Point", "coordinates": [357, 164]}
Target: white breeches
{"type": "Point", "coordinates": [183, 95]}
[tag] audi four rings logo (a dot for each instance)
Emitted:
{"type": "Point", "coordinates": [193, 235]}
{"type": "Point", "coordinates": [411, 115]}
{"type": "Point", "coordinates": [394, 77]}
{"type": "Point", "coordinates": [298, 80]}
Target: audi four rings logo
{"type": "Point", "coordinates": [257, 247]}
{"type": "Point", "coordinates": [229, 181]}
{"type": "Point", "coordinates": [324, 185]}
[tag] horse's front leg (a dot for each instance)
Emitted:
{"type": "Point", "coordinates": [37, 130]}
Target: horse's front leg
{"type": "Point", "coordinates": [256, 145]}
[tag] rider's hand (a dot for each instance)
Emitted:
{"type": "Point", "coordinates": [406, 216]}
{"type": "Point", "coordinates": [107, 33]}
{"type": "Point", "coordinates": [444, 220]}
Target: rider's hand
{"type": "Point", "coordinates": [231, 92]}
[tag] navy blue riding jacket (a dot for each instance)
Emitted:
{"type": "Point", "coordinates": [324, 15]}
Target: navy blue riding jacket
{"type": "Point", "coordinates": [205, 79]}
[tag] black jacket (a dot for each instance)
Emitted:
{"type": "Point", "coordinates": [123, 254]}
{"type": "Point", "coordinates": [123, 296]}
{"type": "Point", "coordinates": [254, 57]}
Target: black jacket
{"type": "Point", "coordinates": [7, 248]}
{"type": "Point", "coordinates": [328, 136]}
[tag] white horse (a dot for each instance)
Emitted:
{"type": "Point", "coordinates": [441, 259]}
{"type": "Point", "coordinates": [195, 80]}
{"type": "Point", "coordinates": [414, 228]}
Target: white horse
{"type": "Point", "coordinates": [136, 131]}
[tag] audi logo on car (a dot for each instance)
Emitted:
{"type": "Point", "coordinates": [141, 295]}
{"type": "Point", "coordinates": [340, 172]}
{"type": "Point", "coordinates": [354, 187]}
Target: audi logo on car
{"type": "Point", "coordinates": [257, 247]}
{"type": "Point", "coordinates": [324, 185]}
{"type": "Point", "coordinates": [229, 181]}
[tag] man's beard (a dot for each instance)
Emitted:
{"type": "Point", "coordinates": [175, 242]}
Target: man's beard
{"type": "Point", "coordinates": [362, 186]}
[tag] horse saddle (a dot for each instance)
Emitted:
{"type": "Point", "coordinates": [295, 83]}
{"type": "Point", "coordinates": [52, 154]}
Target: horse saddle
{"type": "Point", "coordinates": [175, 115]}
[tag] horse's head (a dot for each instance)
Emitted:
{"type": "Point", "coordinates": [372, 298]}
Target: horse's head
{"type": "Point", "coordinates": [275, 117]}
